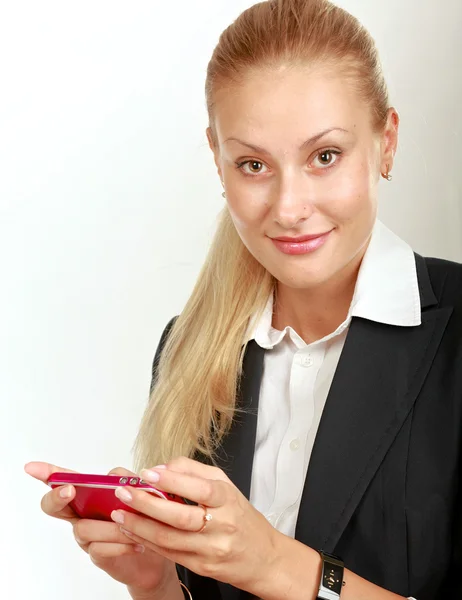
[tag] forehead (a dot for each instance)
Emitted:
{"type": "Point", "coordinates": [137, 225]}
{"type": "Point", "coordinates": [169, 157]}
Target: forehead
{"type": "Point", "coordinates": [290, 102]}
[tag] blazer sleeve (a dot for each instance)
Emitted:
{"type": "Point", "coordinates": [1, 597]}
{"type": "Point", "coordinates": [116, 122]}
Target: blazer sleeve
{"type": "Point", "coordinates": [453, 585]}
{"type": "Point", "coordinates": [200, 587]}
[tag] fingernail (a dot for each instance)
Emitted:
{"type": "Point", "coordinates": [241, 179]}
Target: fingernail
{"type": "Point", "coordinates": [150, 476]}
{"type": "Point", "coordinates": [125, 532]}
{"type": "Point", "coordinates": [139, 548]}
{"type": "Point", "coordinates": [117, 516]}
{"type": "Point", "coordinates": [65, 491]}
{"type": "Point", "coordinates": [123, 494]}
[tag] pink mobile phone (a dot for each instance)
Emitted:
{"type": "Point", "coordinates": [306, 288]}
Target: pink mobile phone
{"type": "Point", "coordinates": [95, 497]}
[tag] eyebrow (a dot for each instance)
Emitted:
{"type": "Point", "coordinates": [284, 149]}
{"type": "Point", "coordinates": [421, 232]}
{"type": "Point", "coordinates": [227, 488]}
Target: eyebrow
{"type": "Point", "coordinates": [305, 145]}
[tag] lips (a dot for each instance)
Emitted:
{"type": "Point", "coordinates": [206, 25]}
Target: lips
{"type": "Point", "coordinates": [298, 240]}
{"type": "Point", "coordinates": [301, 245]}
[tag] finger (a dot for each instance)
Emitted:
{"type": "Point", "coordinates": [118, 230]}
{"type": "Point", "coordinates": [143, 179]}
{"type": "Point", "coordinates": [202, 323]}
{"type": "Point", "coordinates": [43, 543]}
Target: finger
{"type": "Point", "coordinates": [88, 531]}
{"type": "Point", "coordinates": [54, 505]}
{"type": "Point", "coordinates": [43, 470]}
{"type": "Point", "coordinates": [186, 465]}
{"type": "Point", "coordinates": [84, 546]}
{"type": "Point", "coordinates": [180, 516]}
{"type": "Point", "coordinates": [100, 551]}
{"type": "Point", "coordinates": [159, 534]}
{"type": "Point", "coordinates": [121, 471]}
{"type": "Point", "coordinates": [209, 492]}
{"type": "Point", "coordinates": [176, 556]}
{"type": "Point", "coordinates": [136, 539]}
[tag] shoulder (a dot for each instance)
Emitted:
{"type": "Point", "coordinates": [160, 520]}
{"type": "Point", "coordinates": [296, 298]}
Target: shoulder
{"type": "Point", "coordinates": [165, 334]}
{"type": "Point", "coordinates": [446, 279]}
{"type": "Point", "coordinates": [160, 346]}
{"type": "Point", "coordinates": [169, 326]}
{"type": "Point", "coordinates": [442, 266]}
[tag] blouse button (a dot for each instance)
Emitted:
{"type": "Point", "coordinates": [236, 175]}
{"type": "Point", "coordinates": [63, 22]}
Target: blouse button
{"type": "Point", "coordinates": [295, 444]}
{"type": "Point", "coordinates": [306, 360]}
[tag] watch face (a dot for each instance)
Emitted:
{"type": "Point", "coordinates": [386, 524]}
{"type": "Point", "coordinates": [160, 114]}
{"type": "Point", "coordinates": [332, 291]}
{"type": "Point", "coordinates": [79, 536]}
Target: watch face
{"type": "Point", "coordinates": [332, 577]}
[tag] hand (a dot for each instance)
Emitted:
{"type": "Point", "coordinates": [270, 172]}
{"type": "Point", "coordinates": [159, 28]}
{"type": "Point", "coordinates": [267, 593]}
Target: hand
{"type": "Point", "coordinates": [237, 545]}
{"type": "Point", "coordinates": [139, 568]}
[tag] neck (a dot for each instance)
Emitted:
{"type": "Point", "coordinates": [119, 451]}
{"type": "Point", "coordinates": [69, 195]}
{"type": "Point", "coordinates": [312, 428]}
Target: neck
{"type": "Point", "coordinates": [316, 312]}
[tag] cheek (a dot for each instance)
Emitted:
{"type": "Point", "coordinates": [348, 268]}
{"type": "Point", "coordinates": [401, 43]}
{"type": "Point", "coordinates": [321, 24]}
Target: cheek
{"type": "Point", "coordinates": [351, 195]}
{"type": "Point", "coordinates": [248, 219]}
{"type": "Point", "coordinates": [248, 211]}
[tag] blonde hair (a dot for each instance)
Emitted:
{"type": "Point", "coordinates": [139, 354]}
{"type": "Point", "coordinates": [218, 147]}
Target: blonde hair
{"type": "Point", "coordinates": [196, 384]}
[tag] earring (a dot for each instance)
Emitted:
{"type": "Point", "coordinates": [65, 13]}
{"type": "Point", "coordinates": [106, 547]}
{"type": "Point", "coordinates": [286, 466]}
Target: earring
{"type": "Point", "coordinates": [224, 193]}
{"type": "Point", "coordinates": [387, 175]}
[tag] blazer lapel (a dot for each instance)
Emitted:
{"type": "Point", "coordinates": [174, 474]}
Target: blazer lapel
{"type": "Point", "coordinates": [235, 455]}
{"type": "Point", "coordinates": [378, 378]}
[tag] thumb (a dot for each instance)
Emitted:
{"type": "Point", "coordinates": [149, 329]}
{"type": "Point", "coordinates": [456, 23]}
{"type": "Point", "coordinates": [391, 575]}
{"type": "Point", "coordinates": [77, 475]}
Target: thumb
{"type": "Point", "coordinates": [122, 472]}
{"type": "Point", "coordinates": [43, 470]}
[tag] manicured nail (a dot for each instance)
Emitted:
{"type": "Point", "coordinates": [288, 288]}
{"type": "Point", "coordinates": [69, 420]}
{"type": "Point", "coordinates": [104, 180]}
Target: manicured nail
{"type": "Point", "coordinates": [117, 516]}
{"type": "Point", "coordinates": [150, 476]}
{"type": "Point", "coordinates": [139, 548]}
{"type": "Point", "coordinates": [125, 532]}
{"type": "Point", "coordinates": [65, 491]}
{"type": "Point", "coordinates": [123, 494]}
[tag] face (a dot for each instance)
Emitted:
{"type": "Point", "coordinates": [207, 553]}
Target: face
{"type": "Point", "coordinates": [298, 158]}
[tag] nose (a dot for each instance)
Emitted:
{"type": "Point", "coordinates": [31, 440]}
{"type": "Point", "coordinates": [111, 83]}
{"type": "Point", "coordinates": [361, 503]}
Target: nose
{"type": "Point", "coordinates": [292, 205]}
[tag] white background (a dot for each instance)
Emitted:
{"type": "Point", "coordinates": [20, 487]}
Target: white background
{"type": "Point", "coordinates": [108, 199]}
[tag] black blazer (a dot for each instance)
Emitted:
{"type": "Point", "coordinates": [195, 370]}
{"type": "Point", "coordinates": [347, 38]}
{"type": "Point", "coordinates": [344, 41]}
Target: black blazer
{"type": "Point", "coordinates": [383, 489]}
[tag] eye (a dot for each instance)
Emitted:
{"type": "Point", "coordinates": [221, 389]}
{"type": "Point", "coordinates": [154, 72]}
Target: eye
{"type": "Point", "coordinates": [254, 165]}
{"type": "Point", "coordinates": [327, 158]}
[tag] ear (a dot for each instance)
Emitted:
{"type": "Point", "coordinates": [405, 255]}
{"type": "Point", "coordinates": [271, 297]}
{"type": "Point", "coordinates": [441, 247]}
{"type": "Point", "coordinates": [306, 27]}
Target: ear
{"type": "Point", "coordinates": [214, 149]}
{"type": "Point", "coordinates": [390, 140]}
{"type": "Point", "coordinates": [208, 133]}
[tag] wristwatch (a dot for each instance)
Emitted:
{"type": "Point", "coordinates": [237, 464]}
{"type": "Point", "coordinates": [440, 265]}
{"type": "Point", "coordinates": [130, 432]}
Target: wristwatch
{"type": "Point", "coordinates": [331, 577]}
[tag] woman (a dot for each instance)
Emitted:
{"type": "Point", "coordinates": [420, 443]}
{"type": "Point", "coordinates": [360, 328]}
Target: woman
{"type": "Point", "coordinates": [309, 396]}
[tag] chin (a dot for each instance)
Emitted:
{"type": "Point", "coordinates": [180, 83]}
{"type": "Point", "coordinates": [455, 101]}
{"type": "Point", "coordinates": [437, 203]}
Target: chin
{"type": "Point", "coordinates": [299, 284]}
{"type": "Point", "coordinates": [300, 280]}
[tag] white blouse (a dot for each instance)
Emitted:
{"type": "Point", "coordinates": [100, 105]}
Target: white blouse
{"type": "Point", "coordinates": [297, 376]}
